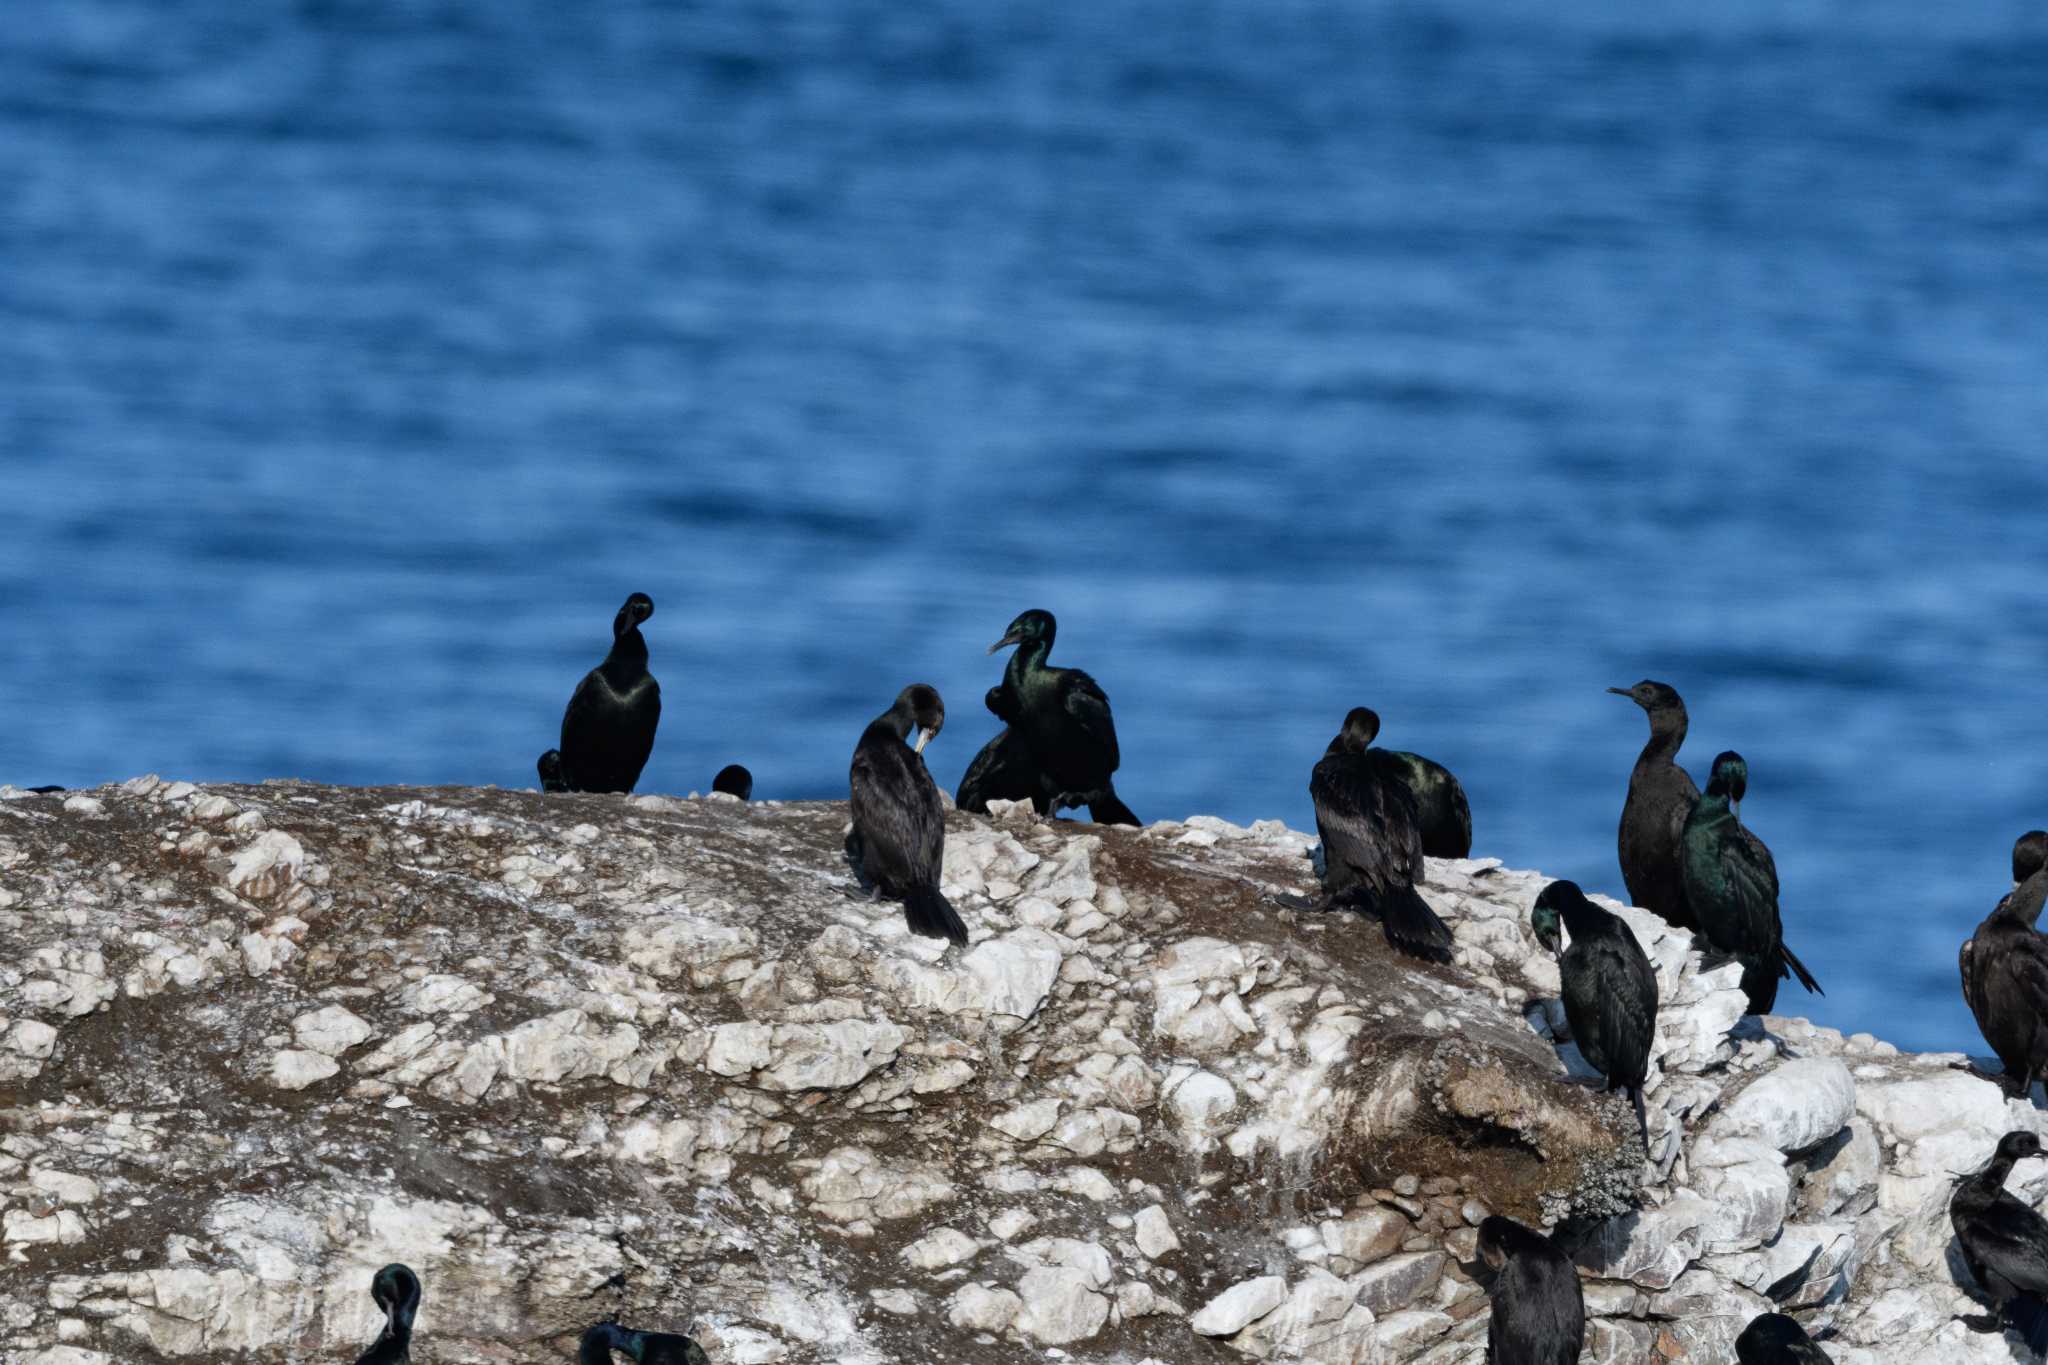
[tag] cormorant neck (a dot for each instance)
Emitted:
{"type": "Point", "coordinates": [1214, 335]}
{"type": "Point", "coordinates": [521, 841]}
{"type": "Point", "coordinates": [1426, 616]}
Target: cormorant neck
{"type": "Point", "coordinates": [628, 647]}
{"type": "Point", "coordinates": [1667, 733]}
{"type": "Point", "coordinates": [597, 1344]}
{"type": "Point", "coordinates": [1992, 1178]}
{"type": "Point", "coordinates": [899, 720]}
{"type": "Point", "coordinates": [1715, 804]}
{"type": "Point", "coordinates": [1583, 920]}
{"type": "Point", "coordinates": [1029, 658]}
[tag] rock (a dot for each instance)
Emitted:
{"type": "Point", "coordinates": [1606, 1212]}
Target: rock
{"type": "Point", "coordinates": [330, 1031]}
{"type": "Point", "coordinates": [1059, 1307]}
{"type": "Point", "coordinates": [294, 1070]}
{"type": "Point", "coordinates": [937, 1250]}
{"type": "Point", "coordinates": [1238, 1306]}
{"type": "Point", "coordinates": [982, 1308]}
{"type": "Point", "coordinates": [1397, 1281]}
{"type": "Point", "coordinates": [1154, 1233]}
{"type": "Point", "coordinates": [1793, 1106]}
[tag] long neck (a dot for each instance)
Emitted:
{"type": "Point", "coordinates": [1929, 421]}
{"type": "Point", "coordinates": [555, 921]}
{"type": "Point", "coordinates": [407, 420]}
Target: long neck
{"type": "Point", "coordinates": [898, 721]}
{"type": "Point", "coordinates": [1029, 659]}
{"type": "Point", "coordinates": [629, 650]}
{"type": "Point", "coordinates": [1713, 809]}
{"type": "Point", "coordinates": [1584, 921]}
{"type": "Point", "coordinates": [1991, 1180]}
{"type": "Point", "coordinates": [1667, 733]}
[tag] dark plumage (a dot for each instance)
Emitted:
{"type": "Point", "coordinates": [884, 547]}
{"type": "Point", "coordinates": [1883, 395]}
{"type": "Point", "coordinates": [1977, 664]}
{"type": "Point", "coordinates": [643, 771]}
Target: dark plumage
{"type": "Point", "coordinates": [1731, 885]}
{"type": "Point", "coordinates": [1660, 799]}
{"type": "Point", "coordinates": [2004, 1242]}
{"type": "Point", "coordinates": [2004, 967]}
{"type": "Point", "coordinates": [1539, 1312]}
{"type": "Point", "coordinates": [1372, 846]}
{"type": "Point", "coordinates": [734, 780]}
{"type": "Point", "coordinates": [1004, 770]}
{"type": "Point", "coordinates": [648, 1348]}
{"type": "Point", "coordinates": [1774, 1339]}
{"type": "Point", "coordinates": [608, 728]}
{"type": "Point", "coordinates": [550, 767]}
{"type": "Point", "coordinates": [1441, 811]}
{"type": "Point", "coordinates": [1065, 723]}
{"type": "Point", "coordinates": [899, 825]}
{"type": "Point", "coordinates": [396, 1290]}
{"type": "Point", "coordinates": [1609, 988]}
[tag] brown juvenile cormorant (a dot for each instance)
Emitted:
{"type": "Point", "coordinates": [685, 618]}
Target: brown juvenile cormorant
{"type": "Point", "coordinates": [648, 1348]}
{"type": "Point", "coordinates": [1609, 988]}
{"type": "Point", "coordinates": [1660, 798]}
{"type": "Point", "coordinates": [396, 1290]}
{"type": "Point", "coordinates": [1774, 1339]}
{"type": "Point", "coordinates": [2004, 1242]}
{"type": "Point", "coordinates": [608, 728]}
{"type": "Point", "coordinates": [1539, 1311]}
{"type": "Point", "coordinates": [1064, 719]}
{"type": "Point", "coordinates": [734, 780]}
{"type": "Point", "coordinates": [550, 767]}
{"type": "Point", "coordinates": [1004, 769]}
{"type": "Point", "coordinates": [1440, 806]}
{"type": "Point", "coordinates": [898, 824]}
{"type": "Point", "coordinates": [1731, 884]}
{"type": "Point", "coordinates": [1372, 848]}
{"type": "Point", "coordinates": [2004, 967]}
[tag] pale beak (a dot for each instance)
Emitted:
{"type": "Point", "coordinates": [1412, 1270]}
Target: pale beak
{"type": "Point", "coordinates": [924, 737]}
{"type": "Point", "coordinates": [1005, 642]}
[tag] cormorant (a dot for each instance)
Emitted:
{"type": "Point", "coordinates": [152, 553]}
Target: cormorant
{"type": "Point", "coordinates": [608, 728]}
{"type": "Point", "coordinates": [396, 1290]}
{"type": "Point", "coordinates": [1539, 1311]}
{"type": "Point", "coordinates": [648, 1348]}
{"type": "Point", "coordinates": [1004, 769]}
{"type": "Point", "coordinates": [1774, 1339]}
{"type": "Point", "coordinates": [44, 791]}
{"type": "Point", "coordinates": [734, 780]}
{"type": "Point", "coordinates": [2004, 1242]}
{"type": "Point", "coordinates": [1440, 806]}
{"type": "Point", "coordinates": [898, 824]}
{"type": "Point", "coordinates": [1610, 989]}
{"type": "Point", "coordinates": [2004, 967]}
{"type": "Point", "coordinates": [1731, 884]}
{"type": "Point", "coordinates": [1372, 848]}
{"type": "Point", "coordinates": [1660, 798]}
{"type": "Point", "coordinates": [1065, 722]}
{"type": "Point", "coordinates": [550, 766]}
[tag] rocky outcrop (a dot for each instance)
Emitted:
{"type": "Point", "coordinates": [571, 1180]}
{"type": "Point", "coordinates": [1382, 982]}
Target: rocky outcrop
{"type": "Point", "coordinates": [574, 1057]}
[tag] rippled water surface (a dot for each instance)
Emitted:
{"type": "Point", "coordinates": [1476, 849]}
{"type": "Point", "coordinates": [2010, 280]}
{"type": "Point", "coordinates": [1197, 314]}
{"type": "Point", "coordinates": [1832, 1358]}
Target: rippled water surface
{"type": "Point", "coordinates": [358, 357]}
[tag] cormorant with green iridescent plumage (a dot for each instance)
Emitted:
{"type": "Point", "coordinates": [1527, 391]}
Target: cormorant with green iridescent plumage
{"type": "Point", "coordinates": [2004, 1242]}
{"type": "Point", "coordinates": [550, 768]}
{"type": "Point", "coordinates": [1441, 811]}
{"type": "Point", "coordinates": [899, 825]}
{"type": "Point", "coordinates": [647, 1348]}
{"type": "Point", "coordinates": [1608, 985]}
{"type": "Point", "coordinates": [1774, 1339]}
{"type": "Point", "coordinates": [1539, 1310]}
{"type": "Point", "coordinates": [1372, 842]}
{"type": "Point", "coordinates": [1064, 719]}
{"type": "Point", "coordinates": [396, 1290]}
{"type": "Point", "coordinates": [1004, 769]}
{"type": "Point", "coordinates": [1731, 884]}
{"type": "Point", "coordinates": [2004, 967]}
{"type": "Point", "coordinates": [608, 726]}
{"type": "Point", "coordinates": [1660, 799]}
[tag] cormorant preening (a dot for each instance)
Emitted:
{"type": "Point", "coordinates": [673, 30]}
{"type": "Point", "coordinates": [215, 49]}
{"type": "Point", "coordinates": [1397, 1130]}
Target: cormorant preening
{"type": "Point", "coordinates": [2004, 1242]}
{"type": "Point", "coordinates": [1660, 798]}
{"type": "Point", "coordinates": [1539, 1312]}
{"type": "Point", "coordinates": [1774, 1339]}
{"type": "Point", "coordinates": [396, 1290]}
{"type": "Point", "coordinates": [2004, 967]}
{"type": "Point", "coordinates": [1065, 723]}
{"type": "Point", "coordinates": [734, 780]}
{"type": "Point", "coordinates": [1731, 885]}
{"type": "Point", "coordinates": [608, 728]}
{"type": "Point", "coordinates": [1372, 848]}
{"type": "Point", "coordinates": [898, 824]}
{"type": "Point", "coordinates": [1441, 810]}
{"type": "Point", "coordinates": [1004, 770]}
{"type": "Point", "coordinates": [550, 766]}
{"type": "Point", "coordinates": [648, 1348]}
{"type": "Point", "coordinates": [1610, 989]}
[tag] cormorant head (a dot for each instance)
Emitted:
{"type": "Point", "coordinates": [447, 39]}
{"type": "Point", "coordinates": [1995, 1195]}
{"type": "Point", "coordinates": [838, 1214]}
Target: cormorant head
{"type": "Point", "coordinates": [1361, 728]}
{"type": "Point", "coordinates": [927, 712]}
{"type": "Point", "coordinates": [1032, 627]}
{"type": "Point", "coordinates": [1500, 1238]}
{"type": "Point", "coordinates": [637, 608]}
{"type": "Point", "coordinates": [1550, 904]}
{"type": "Point", "coordinates": [1651, 696]}
{"type": "Point", "coordinates": [1001, 704]}
{"type": "Point", "coordinates": [1731, 777]}
{"type": "Point", "coordinates": [396, 1290]}
{"type": "Point", "coordinates": [2018, 1145]}
{"type": "Point", "coordinates": [2029, 854]}
{"type": "Point", "coordinates": [551, 777]}
{"type": "Point", "coordinates": [734, 780]}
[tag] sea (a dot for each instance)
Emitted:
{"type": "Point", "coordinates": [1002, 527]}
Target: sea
{"type": "Point", "coordinates": [358, 357]}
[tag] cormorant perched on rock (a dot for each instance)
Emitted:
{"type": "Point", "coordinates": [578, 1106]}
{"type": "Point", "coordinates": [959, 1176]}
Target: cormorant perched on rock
{"type": "Point", "coordinates": [1441, 810]}
{"type": "Point", "coordinates": [1660, 799]}
{"type": "Point", "coordinates": [1774, 1339]}
{"type": "Point", "coordinates": [2004, 967]}
{"type": "Point", "coordinates": [550, 766]}
{"type": "Point", "coordinates": [898, 823]}
{"type": "Point", "coordinates": [2004, 1242]}
{"type": "Point", "coordinates": [1065, 722]}
{"type": "Point", "coordinates": [734, 780]}
{"type": "Point", "coordinates": [1372, 847]}
{"type": "Point", "coordinates": [45, 790]}
{"type": "Point", "coordinates": [1610, 989]}
{"type": "Point", "coordinates": [1731, 884]}
{"type": "Point", "coordinates": [1004, 770]}
{"type": "Point", "coordinates": [648, 1348]}
{"type": "Point", "coordinates": [1539, 1311]}
{"type": "Point", "coordinates": [396, 1290]}
{"type": "Point", "coordinates": [608, 728]}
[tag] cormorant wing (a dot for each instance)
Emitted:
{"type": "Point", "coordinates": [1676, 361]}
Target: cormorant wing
{"type": "Point", "coordinates": [888, 787]}
{"type": "Point", "coordinates": [1751, 877]}
{"type": "Point", "coordinates": [1351, 816]}
{"type": "Point", "coordinates": [1088, 707]}
{"type": "Point", "coordinates": [2010, 1240]}
{"type": "Point", "coordinates": [1628, 985]}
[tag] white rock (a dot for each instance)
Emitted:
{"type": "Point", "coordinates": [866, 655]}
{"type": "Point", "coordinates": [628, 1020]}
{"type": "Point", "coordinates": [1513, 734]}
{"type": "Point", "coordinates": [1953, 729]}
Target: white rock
{"type": "Point", "coordinates": [295, 1070]}
{"type": "Point", "coordinates": [1793, 1106]}
{"type": "Point", "coordinates": [982, 1308]}
{"type": "Point", "coordinates": [1154, 1233]}
{"type": "Point", "coordinates": [1059, 1307]}
{"type": "Point", "coordinates": [937, 1250]}
{"type": "Point", "coordinates": [330, 1031]}
{"type": "Point", "coordinates": [1238, 1306]}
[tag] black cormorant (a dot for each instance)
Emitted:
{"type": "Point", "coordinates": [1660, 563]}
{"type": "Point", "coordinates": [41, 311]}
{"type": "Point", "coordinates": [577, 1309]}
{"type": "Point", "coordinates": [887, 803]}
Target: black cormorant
{"type": "Point", "coordinates": [1660, 798]}
{"type": "Point", "coordinates": [1372, 848]}
{"type": "Point", "coordinates": [550, 767]}
{"type": "Point", "coordinates": [1441, 810]}
{"type": "Point", "coordinates": [1004, 769]}
{"type": "Point", "coordinates": [1774, 1339]}
{"type": "Point", "coordinates": [1609, 988]}
{"type": "Point", "coordinates": [44, 791]}
{"type": "Point", "coordinates": [2004, 967]}
{"type": "Point", "coordinates": [1065, 722]}
{"type": "Point", "coordinates": [2004, 1242]}
{"type": "Point", "coordinates": [648, 1348]}
{"type": "Point", "coordinates": [734, 780]}
{"type": "Point", "coordinates": [898, 824]}
{"type": "Point", "coordinates": [1539, 1311]}
{"type": "Point", "coordinates": [396, 1290]}
{"type": "Point", "coordinates": [1731, 885]}
{"type": "Point", "coordinates": [608, 728]}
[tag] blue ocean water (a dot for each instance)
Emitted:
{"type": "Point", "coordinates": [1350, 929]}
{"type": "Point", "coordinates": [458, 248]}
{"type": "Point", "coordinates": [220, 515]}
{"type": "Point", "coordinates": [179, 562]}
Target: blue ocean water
{"type": "Point", "coordinates": [357, 357]}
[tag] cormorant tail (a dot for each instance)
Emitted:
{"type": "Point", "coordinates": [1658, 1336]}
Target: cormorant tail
{"type": "Point", "coordinates": [2030, 1316]}
{"type": "Point", "coordinates": [929, 913]}
{"type": "Point", "coordinates": [1799, 970]}
{"type": "Point", "coordinates": [1412, 927]}
{"type": "Point", "coordinates": [1107, 809]}
{"type": "Point", "coordinates": [1635, 1095]}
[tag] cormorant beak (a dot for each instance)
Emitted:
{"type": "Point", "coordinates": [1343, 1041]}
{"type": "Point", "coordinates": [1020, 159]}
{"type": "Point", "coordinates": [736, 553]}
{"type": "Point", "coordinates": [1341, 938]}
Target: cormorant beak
{"type": "Point", "coordinates": [924, 737]}
{"type": "Point", "coordinates": [1622, 692]}
{"type": "Point", "coordinates": [1012, 638]}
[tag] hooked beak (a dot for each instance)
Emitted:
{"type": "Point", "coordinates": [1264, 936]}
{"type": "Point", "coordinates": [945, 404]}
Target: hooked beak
{"type": "Point", "coordinates": [924, 737]}
{"type": "Point", "coordinates": [1012, 638]}
{"type": "Point", "coordinates": [1622, 692]}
